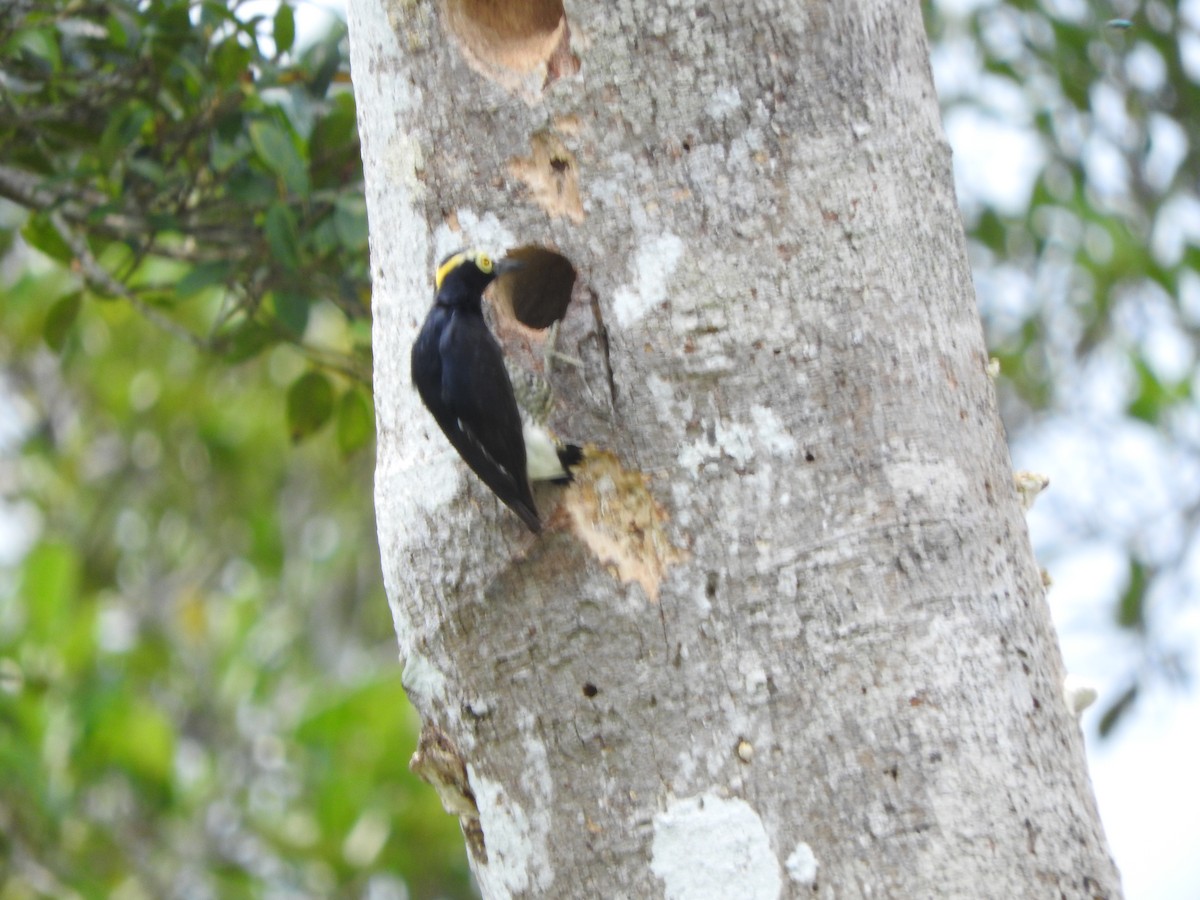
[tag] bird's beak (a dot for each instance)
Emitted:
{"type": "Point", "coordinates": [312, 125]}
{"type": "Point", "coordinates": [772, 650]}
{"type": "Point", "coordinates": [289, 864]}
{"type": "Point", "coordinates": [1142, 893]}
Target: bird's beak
{"type": "Point", "coordinates": [504, 266]}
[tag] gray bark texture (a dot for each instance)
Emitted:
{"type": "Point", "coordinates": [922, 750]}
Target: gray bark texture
{"type": "Point", "coordinates": [785, 635]}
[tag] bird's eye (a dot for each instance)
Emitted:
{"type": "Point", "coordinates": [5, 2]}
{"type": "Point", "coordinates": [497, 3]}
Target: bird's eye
{"type": "Point", "coordinates": [485, 263]}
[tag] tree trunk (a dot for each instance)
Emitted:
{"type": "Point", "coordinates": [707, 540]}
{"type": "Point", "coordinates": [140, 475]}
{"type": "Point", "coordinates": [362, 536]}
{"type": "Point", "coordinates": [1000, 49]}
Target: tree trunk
{"type": "Point", "coordinates": [785, 636]}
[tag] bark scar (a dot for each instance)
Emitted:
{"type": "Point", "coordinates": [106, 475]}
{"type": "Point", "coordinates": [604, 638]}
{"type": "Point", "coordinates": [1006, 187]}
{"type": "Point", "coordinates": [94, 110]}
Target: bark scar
{"type": "Point", "coordinates": [616, 516]}
{"type": "Point", "coordinates": [551, 174]}
{"type": "Point", "coordinates": [439, 762]}
{"type": "Point", "coordinates": [602, 332]}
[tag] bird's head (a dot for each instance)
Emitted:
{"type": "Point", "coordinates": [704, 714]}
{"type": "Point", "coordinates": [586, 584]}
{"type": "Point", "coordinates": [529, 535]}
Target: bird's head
{"type": "Point", "coordinates": [470, 270]}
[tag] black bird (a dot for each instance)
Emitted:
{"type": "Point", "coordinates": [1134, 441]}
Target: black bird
{"type": "Point", "coordinates": [458, 369]}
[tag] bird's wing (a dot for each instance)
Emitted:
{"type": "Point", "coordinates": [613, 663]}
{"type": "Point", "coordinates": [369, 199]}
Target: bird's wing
{"type": "Point", "coordinates": [478, 412]}
{"type": "Point", "coordinates": [426, 365]}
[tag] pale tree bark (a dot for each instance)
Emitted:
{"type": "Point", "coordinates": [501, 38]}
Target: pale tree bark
{"type": "Point", "coordinates": [787, 637]}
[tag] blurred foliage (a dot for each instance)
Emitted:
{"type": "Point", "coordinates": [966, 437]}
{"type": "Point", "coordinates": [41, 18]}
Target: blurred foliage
{"type": "Point", "coordinates": [199, 694]}
{"type": "Point", "coordinates": [199, 691]}
{"type": "Point", "coordinates": [1091, 288]}
{"type": "Point", "coordinates": [187, 158]}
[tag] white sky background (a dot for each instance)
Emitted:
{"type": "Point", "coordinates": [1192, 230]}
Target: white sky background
{"type": "Point", "coordinates": [1147, 774]}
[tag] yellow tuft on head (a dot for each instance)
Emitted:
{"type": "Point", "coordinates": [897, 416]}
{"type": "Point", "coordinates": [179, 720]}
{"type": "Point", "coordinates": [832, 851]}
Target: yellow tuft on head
{"type": "Point", "coordinates": [482, 260]}
{"type": "Point", "coordinates": [448, 265]}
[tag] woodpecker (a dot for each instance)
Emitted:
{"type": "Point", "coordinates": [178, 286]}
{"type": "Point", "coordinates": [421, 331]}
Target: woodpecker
{"type": "Point", "coordinates": [458, 369]}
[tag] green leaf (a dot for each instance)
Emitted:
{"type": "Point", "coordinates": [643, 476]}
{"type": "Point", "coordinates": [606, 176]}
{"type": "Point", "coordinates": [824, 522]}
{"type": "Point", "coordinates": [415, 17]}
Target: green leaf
{"type": "Point", "coordinates": [285, 29]}
{"type": "Point", "coordinates": [39, 47]}
{"type": "Point", "coordinates": [163, 221]}
{"type": "Point", "coordinates": [335, 130]}
{"type": "Point", "coordinates": [1131, 607]}
{"type": "Point", "coordinates": [50, 582]}
{"type": "Point", "coordinates": [283, 235]}
{"type": "Point", "coordinates": [59, 320]}
{"type": "Point", "coordinates": [355, 421]}
{"type": "Point", "coordinates": [230, 60]}
{"type": "Point", "coordinates": [324, 61]}
{"type": "Point", "coordinates": [149, 169]}
{"type": "Point", "coordinates": [1117, 709]}
{"type": "Point", "coordinates": [124, 129]}
{"type": "Point", "coordinates": [1147, 405]}
{"type": "Point", "coordinates": [41, 234]}
{"type": "Point", "coordinates": [309, 404]}
{"type": "Point", "coordinates": [333, 147]}
{"type": "Point", "coordinates": [271, 143]}
{"type": "Point", "coordinates": [991, 230]}
{"type": "Point", "coordinates": [117, 25]}
{"type": "Point", "coordinates": [350, 221]}
{"type": "Point", "coordinates": [213, 15]}
{"type": "Point", "coordinates": [275, 149]}
{"type": "Point", "coordinates": [291, 309]}
{"type": "Point", "coordinates": [246, 340]}
{"type": "Point", "coordinates": [138, 737]}
{"type": "Point", "coordinates": [225, 151]}
{"type": "Point", "coordinates": [251, 187]}
{"type": "Point", "coordinates": [322, 237]}
{"type": "Point", "coordinates": [203, 275]}
{"type": "Point", "coordinates": [1154, 399]}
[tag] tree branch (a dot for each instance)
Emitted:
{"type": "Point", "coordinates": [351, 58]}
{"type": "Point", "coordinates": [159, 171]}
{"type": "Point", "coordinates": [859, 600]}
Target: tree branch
{"type": "Point", "coordinates": [101, 280]}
